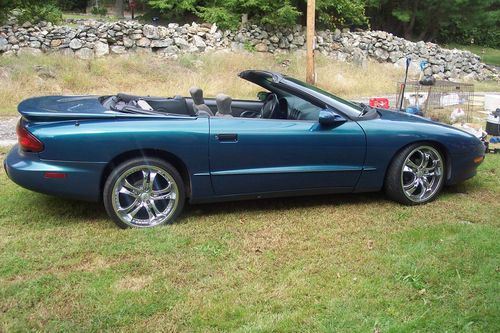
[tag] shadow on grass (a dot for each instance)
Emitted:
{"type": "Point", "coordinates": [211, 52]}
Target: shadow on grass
{"type": "Point", "coordinates": [73, 211]}
{"type": "Point", "coordinates": [287, 203]}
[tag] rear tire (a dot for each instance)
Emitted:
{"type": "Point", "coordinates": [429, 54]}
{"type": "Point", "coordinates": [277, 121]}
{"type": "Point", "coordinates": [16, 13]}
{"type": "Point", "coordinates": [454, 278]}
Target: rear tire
{"type": "Point", "coordinates": [416, 175]}
{"type": "Point", "coordinates": [144, 193]}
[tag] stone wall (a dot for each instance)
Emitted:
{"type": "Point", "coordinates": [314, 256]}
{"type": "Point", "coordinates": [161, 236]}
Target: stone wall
{"type": "Point", "coordinates": [87, 39]}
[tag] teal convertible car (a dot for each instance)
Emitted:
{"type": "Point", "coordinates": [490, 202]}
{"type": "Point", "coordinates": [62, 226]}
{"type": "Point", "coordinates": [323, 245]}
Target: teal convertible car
{"type": "Point", "coordinates": [143, 157]}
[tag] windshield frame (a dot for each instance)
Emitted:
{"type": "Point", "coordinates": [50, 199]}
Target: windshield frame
{"type": "Point", "coordinates": [349, 108]}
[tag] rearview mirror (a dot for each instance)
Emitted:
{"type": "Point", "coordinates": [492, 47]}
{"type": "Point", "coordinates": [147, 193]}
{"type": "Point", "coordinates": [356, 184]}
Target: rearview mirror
{"type": "Point", "coordinates": [262, 95]}
{"type": "Point", "coordinates": [330, 118]}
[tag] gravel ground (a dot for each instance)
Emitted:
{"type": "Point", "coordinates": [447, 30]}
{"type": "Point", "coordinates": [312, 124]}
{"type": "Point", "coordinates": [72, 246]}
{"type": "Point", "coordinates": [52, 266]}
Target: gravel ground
{"type": "Point", "coordinates": [8, 130]}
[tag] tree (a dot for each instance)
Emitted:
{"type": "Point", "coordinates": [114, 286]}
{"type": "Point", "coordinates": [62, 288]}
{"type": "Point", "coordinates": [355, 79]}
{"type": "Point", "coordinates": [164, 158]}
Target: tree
{"type": "Point", "coordinates": [119, 8]}
{"type": "Point", "coordinates": [426, 19]}
{"type": "Point", "coordinates": [5, 7]}
{"type": "Point", "coordinates": [227, 13]}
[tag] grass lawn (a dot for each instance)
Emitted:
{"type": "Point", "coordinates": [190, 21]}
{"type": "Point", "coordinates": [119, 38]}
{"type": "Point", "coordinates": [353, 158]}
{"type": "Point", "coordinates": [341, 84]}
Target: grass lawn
{"type": "Point", "coordinates": [334, 263]}
{"type": "Point", "coordinates": [488, 55]}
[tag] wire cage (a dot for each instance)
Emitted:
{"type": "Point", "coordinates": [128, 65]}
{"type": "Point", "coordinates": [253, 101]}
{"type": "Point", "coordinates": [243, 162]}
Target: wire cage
{"type": "Point", "coordinates": [439, 100]}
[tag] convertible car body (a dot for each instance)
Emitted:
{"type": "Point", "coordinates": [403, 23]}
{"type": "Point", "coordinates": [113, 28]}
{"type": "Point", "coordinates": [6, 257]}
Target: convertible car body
{"type": "Point", "coordinates": [144, 156]}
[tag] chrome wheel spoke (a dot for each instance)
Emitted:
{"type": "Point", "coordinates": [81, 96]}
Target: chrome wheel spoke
{"type": "Point", "coordinates": [167, 196]}
{"type": "Point", "coordinates": [411, 165]}
{"type": "Point", "coordinates": [162, 191]}
{"type": "Point", "coordinates": [130, 187]}
{"type": "Point", "coordinates": [155, 209]}
{"type": "Point", "coordinates": [425, 160]}
{"type": "Point", "coordinates": [127, 210]}
{"type": "Point", "coordinates": [152, 177]}
{"type": "Point", "coordinates": [145, 179]}
{"type": "Point", "coordinates": [151, 215]}
{"type": "Point", "coordinates": [408, 169]}
{"type": "Point", "coordinates": [410, 188]}
{"type": "Point", "coordinates": [126, 191]}
{"type": "Point", "coordinates": [426, 183]}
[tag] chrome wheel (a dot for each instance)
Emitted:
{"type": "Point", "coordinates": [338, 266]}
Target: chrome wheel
{"type": "Point", "coordinates": [422, 174]}
{"type": "Point", "coordinates": [145, 196]}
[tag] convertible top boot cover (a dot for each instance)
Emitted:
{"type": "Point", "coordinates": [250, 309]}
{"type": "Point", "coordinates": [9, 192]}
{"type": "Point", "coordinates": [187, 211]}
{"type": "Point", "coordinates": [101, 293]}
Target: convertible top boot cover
{"type": "Point", "coordinates": [199, 102]}
{"type": "Point", "coordinates": [223, 105]}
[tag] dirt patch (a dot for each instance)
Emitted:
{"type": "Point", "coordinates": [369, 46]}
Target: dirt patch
{"type": "Point", "coordinates": [133, 283]}
{"type": "Point", "coordinates": [8, 130]}
{"type": "Point", "coordinates": [265, 239]}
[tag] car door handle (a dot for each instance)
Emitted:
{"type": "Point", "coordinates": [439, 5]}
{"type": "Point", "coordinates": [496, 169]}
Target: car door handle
{"type": "Point", "coordinates": [227, 137]}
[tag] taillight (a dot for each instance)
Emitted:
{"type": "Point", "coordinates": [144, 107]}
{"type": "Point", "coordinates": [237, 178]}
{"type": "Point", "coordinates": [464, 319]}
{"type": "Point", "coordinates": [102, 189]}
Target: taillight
{"type": "Point", "coordinates": [28, 141]}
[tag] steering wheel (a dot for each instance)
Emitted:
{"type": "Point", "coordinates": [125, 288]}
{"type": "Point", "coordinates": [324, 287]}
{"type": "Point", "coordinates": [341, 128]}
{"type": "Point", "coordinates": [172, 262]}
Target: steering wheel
{"type": "Point", "coordinates": [269, 107]}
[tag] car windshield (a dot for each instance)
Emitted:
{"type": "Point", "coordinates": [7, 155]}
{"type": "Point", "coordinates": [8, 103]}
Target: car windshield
{"type": "Point", "coordinates": [349, 107]}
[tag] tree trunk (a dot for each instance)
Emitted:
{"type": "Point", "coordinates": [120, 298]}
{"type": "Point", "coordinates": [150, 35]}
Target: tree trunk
{"type": "Point", "coordinates": [409, 28]}
{"type": "Point", "coordinates": [119, 8]}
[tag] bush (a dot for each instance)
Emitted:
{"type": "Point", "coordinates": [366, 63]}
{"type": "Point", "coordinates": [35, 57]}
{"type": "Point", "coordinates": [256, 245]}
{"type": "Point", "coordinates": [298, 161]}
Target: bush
{"type": "Point", "coordinates": [102, 11]}
{"type": "Point", "coordinates": [35, 13]}
{"type": "Point", "coordinates": [77, 5]}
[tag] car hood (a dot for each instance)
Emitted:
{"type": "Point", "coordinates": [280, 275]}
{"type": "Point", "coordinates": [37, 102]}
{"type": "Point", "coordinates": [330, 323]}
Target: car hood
{"type": "Point", "coordinates": [394, 115]}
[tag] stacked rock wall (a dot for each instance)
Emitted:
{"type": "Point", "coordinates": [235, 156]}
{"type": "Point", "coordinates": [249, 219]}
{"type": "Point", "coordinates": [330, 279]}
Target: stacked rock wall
{"type": "Point", "coordinates": [87, 39]}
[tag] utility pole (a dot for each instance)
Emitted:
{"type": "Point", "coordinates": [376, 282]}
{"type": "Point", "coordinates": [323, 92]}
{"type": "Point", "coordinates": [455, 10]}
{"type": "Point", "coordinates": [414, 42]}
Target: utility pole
{"type": "Point", "coordinates": [310, 72]}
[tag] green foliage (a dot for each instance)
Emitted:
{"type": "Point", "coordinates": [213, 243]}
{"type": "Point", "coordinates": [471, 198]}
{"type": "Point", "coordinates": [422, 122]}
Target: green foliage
{"type": "Point", "coordinates": [220, 15]}
{"type": "Point", "coordinates": [102, 11]}
{"type": "Point", "coordinates": [437, 20]}
{"type": "Point", "coordinates": [80, 5]}
{"type": "Point", "coordinates": [32, 10]}
{"type": "Point", "coordinates": [341, 13]}
{"type": "Point", "coordinates": [5, 7]}
{"type": "Point", "coordinates": [35, 13]}
{"type": "Point", "coordinates": [284, 13]}
{"type": "Point", "coordinates": [248, 46]}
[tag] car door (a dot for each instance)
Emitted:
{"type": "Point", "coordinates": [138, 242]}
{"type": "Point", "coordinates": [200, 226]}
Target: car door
{"type": "Point", "coordinates": [250, 156]}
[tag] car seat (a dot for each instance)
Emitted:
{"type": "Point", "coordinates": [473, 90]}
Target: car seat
{"type": "Point", "coordinates": [199, 102]}
{"type": "Point", "coordinates": [223, 105]}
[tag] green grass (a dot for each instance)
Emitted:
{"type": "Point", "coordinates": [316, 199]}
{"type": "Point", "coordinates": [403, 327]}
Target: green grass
{"type": "Point", "coordinates": [107, 18]}
{"type": "Point", "coordinates": [488, 55]}
{"type": "Point", "coordinates": [357, 263]}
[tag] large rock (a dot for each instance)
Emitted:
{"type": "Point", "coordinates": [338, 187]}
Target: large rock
{"type": "Point", "coordinates": [160, 43]}
{"type": "Point", "coordinates": [143, 42]}
{"type": "Point", "coordinates": [85, 53]}
{"type": "Point", "coordinates": [181, 43]}
{"type": "Point", "coordinates": [29, 50]}
{"type": "Point", "coordinates": [128, 42]}
{"type": "Point", "coordinates": [150, 32]}
{"type": "Point", "coordinates": [3, 44]}
{"type": "Point", "coordinates": [261, 47]}
{"type": "Point", "coordinates": [75, 44]}
{"type": "Point", "coordinates": [199, 43]}
{"type": "Point", "coordinates": [101, 49]}
{"type": "Point", "coordinates": [381, 54]}
{"type": "Point", "coordinates": [117, 49]}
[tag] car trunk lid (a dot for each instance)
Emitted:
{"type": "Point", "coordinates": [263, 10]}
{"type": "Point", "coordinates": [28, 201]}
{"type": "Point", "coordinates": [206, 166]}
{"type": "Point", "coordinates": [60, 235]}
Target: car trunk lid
{"type": "Point", "coordinates": [50, 108]}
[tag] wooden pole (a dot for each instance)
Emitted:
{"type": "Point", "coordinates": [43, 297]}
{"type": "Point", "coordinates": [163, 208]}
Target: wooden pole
{"type": "Point", "coordinates": [310, 73]}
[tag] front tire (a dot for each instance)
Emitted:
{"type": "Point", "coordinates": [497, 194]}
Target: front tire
{"type": "Point", "coordinates": [416, 175]}
{"type": "Point", "coordinates": [144, 193]}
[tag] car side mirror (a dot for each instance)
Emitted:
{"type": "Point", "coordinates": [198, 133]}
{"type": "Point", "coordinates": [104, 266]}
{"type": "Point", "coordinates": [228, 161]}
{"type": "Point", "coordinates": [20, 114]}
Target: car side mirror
{"type": "Point", "coordinates": [330, 118]}
{"type": "Point", "coordinates": [262, 95]}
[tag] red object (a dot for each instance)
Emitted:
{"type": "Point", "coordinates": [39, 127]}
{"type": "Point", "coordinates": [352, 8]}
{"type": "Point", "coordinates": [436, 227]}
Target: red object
{"type": "Point", "coordinates": [379, 103]}
{"type": "Point", "coordinates": [54, 175]}
{"type": "Point", "coordinates": [28, 141]}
